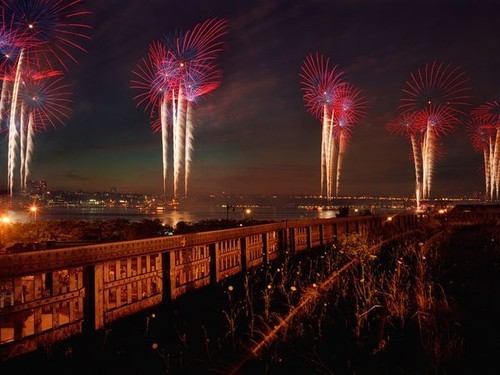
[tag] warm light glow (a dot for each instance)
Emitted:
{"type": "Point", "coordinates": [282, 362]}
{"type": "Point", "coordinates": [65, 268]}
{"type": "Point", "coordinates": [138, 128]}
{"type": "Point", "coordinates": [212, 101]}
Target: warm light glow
{"type": "Point", "coordinates": [33, 209]}
{"type": "Point", "coordinates": [442, 211]}
{"type": "Point", "coordinates": [389, 218]}
{"type": "Point", "coordinates": [5, 219]}
{"type": "Point", "coordinates": [248, 211]}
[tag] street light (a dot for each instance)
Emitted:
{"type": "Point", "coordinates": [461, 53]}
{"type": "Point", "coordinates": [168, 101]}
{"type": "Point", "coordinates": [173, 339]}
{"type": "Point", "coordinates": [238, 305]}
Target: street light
{"type": "Point", "coordinates": [4, 220]}
{"type": "Point", "coordinates": [227, 210]}
{"type": "Point", "coordinates": [34, 210]}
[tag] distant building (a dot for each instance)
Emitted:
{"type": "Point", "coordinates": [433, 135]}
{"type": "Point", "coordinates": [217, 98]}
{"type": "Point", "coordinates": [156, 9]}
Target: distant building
{"type": "Point", "coordinates": [36, 188]}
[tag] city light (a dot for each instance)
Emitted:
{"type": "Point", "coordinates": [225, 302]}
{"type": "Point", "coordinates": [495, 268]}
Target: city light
{"type": "Point", "coordinates": [34, 210]}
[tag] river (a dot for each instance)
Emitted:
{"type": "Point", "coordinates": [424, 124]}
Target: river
{"type": "Point", "coordinates": [170, 217]}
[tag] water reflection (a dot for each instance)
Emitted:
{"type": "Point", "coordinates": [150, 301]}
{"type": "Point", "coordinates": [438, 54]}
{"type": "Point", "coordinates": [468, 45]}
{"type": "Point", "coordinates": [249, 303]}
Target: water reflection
{"type": "Point", "coordinates": [170, 217]}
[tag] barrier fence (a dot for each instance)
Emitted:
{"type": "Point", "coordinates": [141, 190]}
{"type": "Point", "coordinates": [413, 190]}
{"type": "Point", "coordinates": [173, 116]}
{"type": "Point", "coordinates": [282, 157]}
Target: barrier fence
{"type": "Point", "coordinates": [50, 295]}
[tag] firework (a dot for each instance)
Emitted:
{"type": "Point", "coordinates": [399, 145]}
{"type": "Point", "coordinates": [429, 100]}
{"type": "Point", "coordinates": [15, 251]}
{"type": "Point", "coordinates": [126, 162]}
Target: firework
{"type": "Point", "coordinates": [176, 72]}
{"type": "Point", "coordinates": [45, 99]}
{"type": "Point", "coordinates": [406, 125]}
{"type": "Point", "coordinates": [339, 106]}
{"type": "Point", "coordinates": [50, 29]}
{"type": "Point", "coordinates": [433, 97]}
{"type": "Point", "coordinates": [195, 53]}
{"type": "Point", "coordinates": [154, 78]}
{"type": "Point", "coordinates": [37, 35]}
{"type": "Point", "coordinates": [484, 130]}
{"type": "Point", "coordinates": [436, 84]}
{"type": "Point", "coordinates": [349, 109]}
{"type": "Point", "coordinates": [320, 85]}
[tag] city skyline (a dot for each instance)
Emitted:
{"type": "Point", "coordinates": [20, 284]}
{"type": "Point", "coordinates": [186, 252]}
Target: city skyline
{"type": "Point", "coordinates": [253, 134]}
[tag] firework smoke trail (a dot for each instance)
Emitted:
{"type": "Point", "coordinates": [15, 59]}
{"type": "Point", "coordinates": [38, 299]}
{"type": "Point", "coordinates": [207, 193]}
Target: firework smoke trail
{"type": "Point", "coordinates": [326, 155]}
{"type": "Point", "coordinates": [405, 125]}
{"type": "Point", "coordinates": [324, 133]}
{"type": "Point", "coordinates": [331, 155]}
{"type": "Point", "coordinates": [342, 145]}
{"type": "Point", "coordinates": [179, 131]}
{"type": "Point", "coordinates": [417, 160]}
{"type": "Point", "coordinates": [491, 165]}
{"type": "Point", "coordinates": [13, 134]}
{"type": "Point", "coordinates": [22, 148]}
{"type": "Point", "coordinates": [428, 158]}
{"type": "Point", "coordinates": [3, 98]}
{"type": "Point", "coordinates": [496, 162]}
{"type": "Point", "coordinates": [175, 139]}
{"type": "Point", "coordinates": [490, 168]}
{"type": "Point", "coordinates": [164, 139]}
{"type": "Point", "coordinates": [493, 168]}
{"type": "Point", "coordinates": [487, 172]}
{"type": "Point", "coordinates": [29, 149]}
{"type": "Point", "coordinates": [425, 153]}
{"type": "Point", "coordinates": [188, 145]}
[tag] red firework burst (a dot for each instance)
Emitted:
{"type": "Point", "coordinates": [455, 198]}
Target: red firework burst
{"type": "Point", "coordinates": [154, 76]}
{"type": "Point", "coordinates": [481, 132]}
{"type": "Point", "coordinates": [47, 98]}
{"type": "Point", "coordinates": [348, 108]}
{"type": "Point", "coordinates": [201, 83]}
{"type": "Point", "coordinates": [201, 44]}
{"type": "Point", "coordinates": [489, 112]}
{"type": "Point", "coordinates": [434, 86]}
{"type": "Point", "coordinates": [51, 29]}
{"type": "Point", "coordinates": [8, 43]}
{"type": "Point", "coordinates": [195, 51]}
{"type": "Point", "coordinates": [440, 118]}
{"type": "Point", "coordinates": [320, 83]}
{"type": "Point", "coordinates": [404, 124]}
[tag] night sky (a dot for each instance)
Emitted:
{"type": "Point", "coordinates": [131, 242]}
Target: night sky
{"type": "Point", "coordinates": [253, 134]}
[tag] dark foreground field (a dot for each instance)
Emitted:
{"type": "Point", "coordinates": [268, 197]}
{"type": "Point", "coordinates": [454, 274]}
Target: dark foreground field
{"type": "Point", "coordinates": [425, 304]}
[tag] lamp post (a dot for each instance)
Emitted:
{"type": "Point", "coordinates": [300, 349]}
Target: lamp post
{"type": "Point", "coordinates": [34, 210]}
{"type": "Point", "coordinates": [247, 213]}
{"type": "Point", "coordinates": [4, 221]}
{"type": "Point", "coordinates": [227, 210]}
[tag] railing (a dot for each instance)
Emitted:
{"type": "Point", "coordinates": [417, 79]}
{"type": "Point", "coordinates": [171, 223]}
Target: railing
{"type": "Point", "coordinates": [48, 296]}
